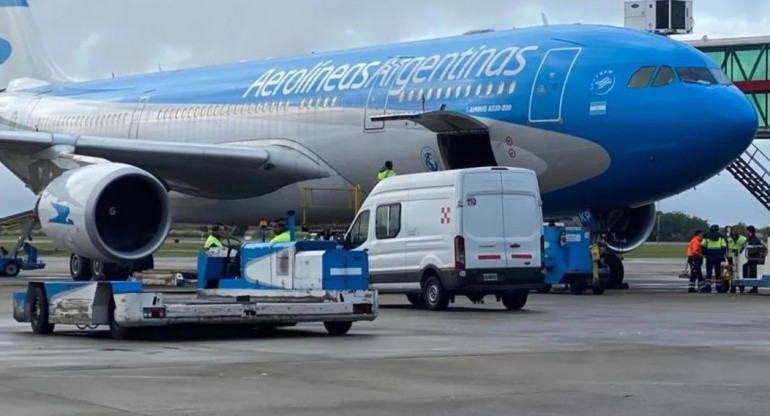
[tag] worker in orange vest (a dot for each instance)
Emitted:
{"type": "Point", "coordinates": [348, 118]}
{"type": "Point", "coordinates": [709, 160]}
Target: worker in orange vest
{"type": "Point", "coordinates": [695, 260]}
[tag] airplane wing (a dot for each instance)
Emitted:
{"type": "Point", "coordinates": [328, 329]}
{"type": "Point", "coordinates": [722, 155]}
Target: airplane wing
{"type": "Point", "coordinates": [205, 170]}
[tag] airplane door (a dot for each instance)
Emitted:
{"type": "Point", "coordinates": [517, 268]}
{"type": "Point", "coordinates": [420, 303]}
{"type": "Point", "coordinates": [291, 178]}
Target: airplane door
{"type": "Point", "coordinates": [379, 94]}
{"type": "Point", "coordinates": [547, 95]}
{"type": "Point", "coordinates": [136, 117]}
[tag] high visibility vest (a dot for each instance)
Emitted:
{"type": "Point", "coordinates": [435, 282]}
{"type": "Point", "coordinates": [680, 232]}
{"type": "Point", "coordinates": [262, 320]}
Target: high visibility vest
{"type": "Point", "coordinates": [714, 245]}
{"type": "Point", "coordinates": [734, 245]}
{"type": "Point", "coordinates": [283, 237]}
{"type": "Point", "coordinates": [384, 174]}
{"type": "Point", "coordinates": [212, 242]}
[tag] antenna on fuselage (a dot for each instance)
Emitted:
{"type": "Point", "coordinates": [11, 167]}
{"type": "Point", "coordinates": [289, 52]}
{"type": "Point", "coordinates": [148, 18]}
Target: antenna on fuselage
{"type": "Point", "coordinates": [545, 19]}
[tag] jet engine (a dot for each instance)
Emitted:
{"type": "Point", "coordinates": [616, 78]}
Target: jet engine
{"type": "Point", "coordinates": [628, 229]}
{"type": "Point", "coordinates": [108, 212]}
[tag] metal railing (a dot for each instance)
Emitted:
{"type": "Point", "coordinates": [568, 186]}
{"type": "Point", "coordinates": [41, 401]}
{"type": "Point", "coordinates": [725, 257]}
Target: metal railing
{"type": "Point", "coordinates": [309, 203]}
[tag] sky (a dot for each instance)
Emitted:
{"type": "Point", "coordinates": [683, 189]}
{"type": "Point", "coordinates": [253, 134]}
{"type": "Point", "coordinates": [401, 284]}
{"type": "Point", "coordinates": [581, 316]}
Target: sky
{"type": "Point", "coordinates": [95, 38]}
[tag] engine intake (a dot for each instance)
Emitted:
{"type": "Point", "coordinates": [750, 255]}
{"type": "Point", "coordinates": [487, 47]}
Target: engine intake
{"type": "Point", "coordinates": [109, 212]}
{"type": "Point", "coordinates": [630, 228]}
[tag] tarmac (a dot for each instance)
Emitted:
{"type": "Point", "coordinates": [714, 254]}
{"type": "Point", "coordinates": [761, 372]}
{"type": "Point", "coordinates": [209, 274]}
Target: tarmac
{"type": "Point", "coordinates": [649, 350]}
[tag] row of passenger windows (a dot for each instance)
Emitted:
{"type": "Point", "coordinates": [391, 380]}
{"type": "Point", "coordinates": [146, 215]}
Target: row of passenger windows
{"type": "Point", "coordinates": [665, 76]}
{"type": "Point", "coordinates": [105, 120]}
{"type": "Point", "coordinates": [186, 113]}
{"type": "Point", "coordinates": [457, 91]}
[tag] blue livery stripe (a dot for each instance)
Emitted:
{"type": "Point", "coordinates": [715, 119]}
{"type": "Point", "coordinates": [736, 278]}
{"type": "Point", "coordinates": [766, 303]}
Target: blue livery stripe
{"type": "Point", "coordinates": [14, 3]}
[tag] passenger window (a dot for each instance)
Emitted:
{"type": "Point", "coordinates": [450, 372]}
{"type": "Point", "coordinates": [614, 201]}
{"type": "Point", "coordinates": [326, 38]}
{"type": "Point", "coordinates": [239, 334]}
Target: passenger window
{"type": "Point", "coordinates": [500, 88]}
{"type": "Point", "coordinates": [478, 90]}
{"type": "Point", "coordinates": [359, 232]}
{"type": "Point", "coordinates": [438, 93]}
{"type": "Point", "coordinates": [458, 91]}
{"type": "Point", "coordinates": [489, 89]}
{"type": "Point", "coordinates": [429, 94]}
{"type": "Point", "coordinates": [512, 87]}
{"type": "Point", "coordinates": [665, 77]}
{"type": "Point", "coordinates": [388, 221]}
{"type": "Point", "coordinates": [641, 78]}
{"type": "Point", "coordinates": [696, 76]}
{"type": "Point", "coordinates": [468, 90]}
{"type": "Point", "coordinates": [411, 96]}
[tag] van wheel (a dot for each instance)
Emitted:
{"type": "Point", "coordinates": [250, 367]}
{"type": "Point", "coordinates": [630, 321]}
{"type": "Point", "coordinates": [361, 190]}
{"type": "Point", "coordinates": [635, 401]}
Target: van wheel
{"type": "Point", "coordinates": [514, 301]}
{"type": "Point", "coordinates": [436, 298]}
{"type": "Point", "coordinates": [38, 312]}
{"type": "Point", "coordinates": [416, 299]}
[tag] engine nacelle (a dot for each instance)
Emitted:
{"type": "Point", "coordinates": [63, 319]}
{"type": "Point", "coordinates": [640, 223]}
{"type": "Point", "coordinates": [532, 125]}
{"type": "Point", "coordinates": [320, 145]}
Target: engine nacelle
{"type": "Point", "coordinates": [630, 228]}
{"type": "Point", "coordinates": [109, 212]}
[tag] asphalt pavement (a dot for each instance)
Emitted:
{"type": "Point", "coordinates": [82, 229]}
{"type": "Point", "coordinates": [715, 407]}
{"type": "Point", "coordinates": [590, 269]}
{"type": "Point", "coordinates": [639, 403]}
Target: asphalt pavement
{"type": "Point", "coordinates": [649, 350]}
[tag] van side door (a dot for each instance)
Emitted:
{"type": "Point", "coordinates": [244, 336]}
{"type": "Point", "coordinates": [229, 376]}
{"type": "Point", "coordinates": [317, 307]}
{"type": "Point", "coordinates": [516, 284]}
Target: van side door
{"type": "Point", "coordinates": [387, 255]}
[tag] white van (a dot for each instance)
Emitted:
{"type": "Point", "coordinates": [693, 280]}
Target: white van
{"type": "Point", "coordinates": [472, 232]}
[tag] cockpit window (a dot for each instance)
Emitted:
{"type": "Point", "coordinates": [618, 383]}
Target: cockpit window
{"type": "Point", "coordinates": [665, 77]}
{"type": "Point", "coordinates": [641, 78]}
{"type": "Point", "coordinates": [720, 76]}
{"type": "Point", "coordinates": [696, 76]}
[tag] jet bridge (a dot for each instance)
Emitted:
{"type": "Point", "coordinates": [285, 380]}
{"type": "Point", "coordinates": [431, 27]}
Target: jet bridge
{"type": "Point", "coordinates": [747, 62]}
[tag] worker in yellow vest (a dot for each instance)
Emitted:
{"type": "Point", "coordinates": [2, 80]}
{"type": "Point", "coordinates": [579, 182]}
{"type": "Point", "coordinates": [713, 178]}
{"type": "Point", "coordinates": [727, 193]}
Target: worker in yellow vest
{"type": "Point", "coordinates": [714, 249]}
{"type": "Point", "coordinates": [386, 171]}
{"type": "Point", "coordinates": [281, 233]}
{"type": "Point", "coordinates": [735, 244]}
{"type": "Point", "coordinates": [214, 239]}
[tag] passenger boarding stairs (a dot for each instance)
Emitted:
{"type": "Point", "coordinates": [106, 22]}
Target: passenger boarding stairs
{"type": "Point", "coordinates": [751, 170]}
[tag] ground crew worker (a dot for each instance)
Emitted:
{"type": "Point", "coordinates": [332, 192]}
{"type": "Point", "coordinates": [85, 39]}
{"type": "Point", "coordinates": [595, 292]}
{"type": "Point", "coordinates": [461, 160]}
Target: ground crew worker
{"type": "Point", "coordinates": [695, 260]}
{"type": "Point", "coordinates": [281, 233]}
{"type": "Point", "coordinates": [217, 232]}
{"type": "Point", "coordinates": [714, 249]}
{"type": "Point", "coordinates": [735, 244]}
{"type": "Point", "coordinates": [750, 268]}
{"type": "Point", "coordinates": [386, 171]}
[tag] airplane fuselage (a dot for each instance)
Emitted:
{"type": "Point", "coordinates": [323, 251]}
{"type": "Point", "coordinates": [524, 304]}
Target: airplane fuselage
{"type": "Point", "coordinates": [558, 100]}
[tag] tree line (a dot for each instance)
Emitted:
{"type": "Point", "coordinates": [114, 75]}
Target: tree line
{"type": "Point", "coordinates": [678, 227]}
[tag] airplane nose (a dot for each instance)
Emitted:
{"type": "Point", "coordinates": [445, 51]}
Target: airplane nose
{"type": "Point", "coordinates": [728, 127]}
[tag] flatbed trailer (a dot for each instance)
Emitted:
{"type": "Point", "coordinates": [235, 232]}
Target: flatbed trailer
{"type": "Point", "coordinates": [258, 284]}
{"type": "Point", "coordinates": [125, 306]}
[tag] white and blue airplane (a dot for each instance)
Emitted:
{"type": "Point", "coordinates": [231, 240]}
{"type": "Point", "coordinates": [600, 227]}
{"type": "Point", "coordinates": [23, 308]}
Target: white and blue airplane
{"type": "Point", "coordinates": [612, 120]}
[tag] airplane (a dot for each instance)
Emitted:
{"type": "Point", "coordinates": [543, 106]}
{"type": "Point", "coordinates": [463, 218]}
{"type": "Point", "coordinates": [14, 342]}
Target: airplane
{"type": "Point", "coordinates": [611, 119]}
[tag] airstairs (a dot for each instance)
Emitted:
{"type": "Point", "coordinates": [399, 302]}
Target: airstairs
{"type": "Point", "coordinates": [751, 170]}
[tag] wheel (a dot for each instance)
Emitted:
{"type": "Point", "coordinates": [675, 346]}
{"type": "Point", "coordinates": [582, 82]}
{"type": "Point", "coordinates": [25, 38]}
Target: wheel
{"type": "Point", "coordinates": [436, 298]}
{"type": "Point", "coordinates": [38, 311]}
{"type": "Point", "coordinates": [11, 269]}
{"type": "Point", "coordinates": [514, 301]}
{"type": "Point", "coordinates": [545, 289]}
{"type": "Point", "coordinates": [578, 285]}
{"type": "Point", "coordinates": [109, 271]}
{"type": "Point", "coordinates": [338, 328]}
{"type": "Point", "coordinates": [116, 331]}
{"type": "Point", "coordinates": [616, 270]}
{"type": "Point", "coordinates": [80, 268]}
{"type": "Point", "coordinates": [416, 299]}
